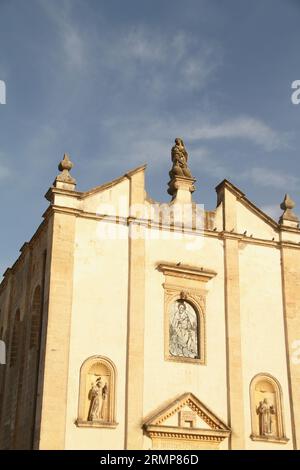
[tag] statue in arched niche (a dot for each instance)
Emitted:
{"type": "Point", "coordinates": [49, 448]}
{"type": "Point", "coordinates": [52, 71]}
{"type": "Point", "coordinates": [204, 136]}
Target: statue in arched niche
{"type": "Point", "coordinates": [265, 412]}
{"type": "Point", "coordinates": [183, 330]}
{"type": "Point", "coordinates": [97, 396]}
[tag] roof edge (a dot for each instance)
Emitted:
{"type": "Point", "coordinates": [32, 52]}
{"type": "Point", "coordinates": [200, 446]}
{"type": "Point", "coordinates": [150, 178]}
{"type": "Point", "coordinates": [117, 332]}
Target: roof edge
{"type": "Point", "coordinates": [113, 182]}
{"type": "Point", "coordinates": [242, 197]}
{"type": "Point", "coordinates": [161, 410]}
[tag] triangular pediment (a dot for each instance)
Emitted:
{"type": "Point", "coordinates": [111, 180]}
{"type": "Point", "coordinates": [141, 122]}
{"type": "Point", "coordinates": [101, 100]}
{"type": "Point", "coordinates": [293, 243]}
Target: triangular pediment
{"type": "Point", "coordinates": [187, 412]}
{"type": "Point", "coordinates": [186, 422]}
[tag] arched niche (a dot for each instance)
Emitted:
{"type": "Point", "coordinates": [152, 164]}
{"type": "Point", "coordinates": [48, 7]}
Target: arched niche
{"type": "Point", "coordinates": [97, 393]}
{"type": "Point", "coordinates": [267, 409]}
{"type": "Point", "coordinates": [185, 327]}
{"type": "Point", "coordinates": [36, 318]}
{"type": "Point", "coordinates": [188, 284]}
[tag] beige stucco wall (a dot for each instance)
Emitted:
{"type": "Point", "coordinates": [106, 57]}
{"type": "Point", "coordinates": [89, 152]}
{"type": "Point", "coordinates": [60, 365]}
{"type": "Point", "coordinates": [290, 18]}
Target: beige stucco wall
{"type": "Point", "coordinates": [164, 380]}
{"type": "Point", "coordinates": [218, 218]}
{"type": "Point", "coordinates": [255, 226]}
{"type": "Point", "coordinates": [262, 328]}
{"type": "Point", "coordinates": [102, 265]}
{"type": "Point", "coordinates": [99, 327]}
{"type": "Point", "coordinates": [116, 198]}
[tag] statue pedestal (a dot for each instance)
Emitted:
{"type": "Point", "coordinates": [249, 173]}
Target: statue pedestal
{"type": "Point", "coordinates": [181, 189]}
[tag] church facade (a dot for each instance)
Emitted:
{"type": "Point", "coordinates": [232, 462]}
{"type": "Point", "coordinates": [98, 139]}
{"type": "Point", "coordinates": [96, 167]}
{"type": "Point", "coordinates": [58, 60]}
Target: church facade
{"type": "Point", "coordinates": [131, 324]}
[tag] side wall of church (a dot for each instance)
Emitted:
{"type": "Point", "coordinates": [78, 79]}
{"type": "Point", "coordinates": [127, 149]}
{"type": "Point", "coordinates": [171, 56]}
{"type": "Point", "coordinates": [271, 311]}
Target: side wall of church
{"type": "Point", "coordinates": [23, 304]}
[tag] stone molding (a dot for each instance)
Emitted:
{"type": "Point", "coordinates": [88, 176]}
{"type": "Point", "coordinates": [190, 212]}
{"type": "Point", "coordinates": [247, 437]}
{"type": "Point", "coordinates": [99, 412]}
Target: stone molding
{"type": "Point", "coordinates": [155, 428]}
{"type": "Point", "coordinates": [281, 437]}
{"type": "Point", "coordinates": [188, 283]}
{"type": "Point", "coordinates": [86, 366]}
{"type": "Point", "coordinates": [187, 271]}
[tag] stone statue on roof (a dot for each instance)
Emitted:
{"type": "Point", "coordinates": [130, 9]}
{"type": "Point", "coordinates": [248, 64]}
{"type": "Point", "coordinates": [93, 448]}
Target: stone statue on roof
{"type": "Point", "coordinates": [179, 159]}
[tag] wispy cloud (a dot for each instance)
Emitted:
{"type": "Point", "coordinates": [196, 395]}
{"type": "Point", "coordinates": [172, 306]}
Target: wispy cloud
{"type": "Point", "coordinates": [40, 143]}
{"type": "Point", "coordinates": [4, 172]}
{"type": "Point", "coordinates": [267, 177]}
{"type": "Point", "coordinates": [260, 176]}
{"type": "Point", "coordinates": [242, 127]}
{"type": "Point", "coordinates": [74, 47]}
{"type": "Point", "coordinates": [152, 59]}
{"type": "Point", "coordinates": [135, 133]}
{"type": "Point", "coordinates": [139, 68]}
{"type": "Point", "coordinates": [73, 52]}
{"type": "Point", "coordinates": [157, 62]}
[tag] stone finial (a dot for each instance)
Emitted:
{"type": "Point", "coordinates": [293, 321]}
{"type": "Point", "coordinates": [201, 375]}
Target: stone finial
{"type": "Point", "coordinates": [288, 217]}
{"type": "Point", "coordinates": [64, 179]}
{"type": "Point", "coordinates": [181, 183]}
{"type": "Point", "coordinates": [65, 166]}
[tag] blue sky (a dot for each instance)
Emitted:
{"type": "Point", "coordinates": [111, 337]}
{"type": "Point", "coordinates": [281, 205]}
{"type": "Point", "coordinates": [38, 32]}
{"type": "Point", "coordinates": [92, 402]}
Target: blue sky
{"type": "Point", "coordinates": [112, 83]}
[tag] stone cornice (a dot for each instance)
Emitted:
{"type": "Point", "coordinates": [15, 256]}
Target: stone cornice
{"type": "Point", "coordinates": [286, 228]}
{"type": "Point", "coordinates": [273, 439]}
{"type": "Point", "coordinates": [250, 240]}
{"type": "Point", "coordinates": [186, 271]}
{"type": "Point", "coordinates": [171, 432]}
{"type": "Point", "coordinates": [64, 192]}
{"type": "Point", "coordinates": [291, 245]}
{"type": "Point", "coordinates": [231, 235]}
{"type": "Point", "coordinates": [173, 228]}
{"type": "Point", "coordinates": [95, 424]}
{"type": "Point", "coordinates": [147, 223]}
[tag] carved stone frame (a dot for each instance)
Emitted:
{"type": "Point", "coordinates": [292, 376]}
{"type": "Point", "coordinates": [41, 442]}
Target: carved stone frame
{"type": "Point", "coordinates": [186, 283]}
{"type": "Point", "coordinates": [81, 420]}
{"type": "Point", "coordinates": [206, 438]}
{"type": "Point", "coordinates": [281, 438]}
{"type": "Point", "coordinates": [196, 300]}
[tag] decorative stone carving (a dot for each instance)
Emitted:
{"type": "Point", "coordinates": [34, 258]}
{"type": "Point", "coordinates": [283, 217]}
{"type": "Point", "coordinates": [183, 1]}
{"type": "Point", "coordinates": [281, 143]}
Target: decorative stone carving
{"type": "Point", "coordinates": [97, 396]}
{"type": "Point", "coordinates": [183, 337]}
{"type": "Point", "coordinates": [181, 183]}
{"type": "Point", "coordinates": [185, 309]}
{"type": "Point", "coordinates": [265, 412]}
{"type": "Point", "coordinates": [64, 180]}
{"type": "Point", "coordinates": [97, 393]}
{"type": "Point", "coordinates": [179, 158]}
{"type": "Point", "coordinates": [266, 409]}
{"type": "Point", "coordinates": [65, 166]}
{"type": "Point", "coordinates": [185, 423]}
{"type": "Point", "coordinates": [183, 295]}
{"type": "Point", "coordinates": [187, 419]}
{"type": "Point", "coordinates": [288, 217]}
